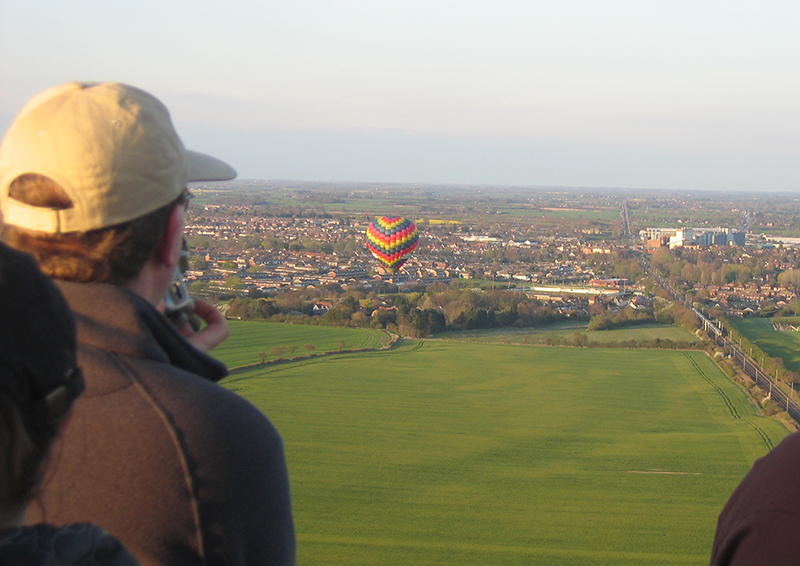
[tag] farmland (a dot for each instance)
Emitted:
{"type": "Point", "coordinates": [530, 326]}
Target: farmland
{"type": "Point", "coordinates": [249, 339]}
{"type": "Point", "coordinates": [439, 452]}
{"type": "Point", "coordinates": [784, 345]}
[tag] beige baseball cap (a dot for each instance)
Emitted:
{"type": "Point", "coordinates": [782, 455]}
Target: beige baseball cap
{"type": "Point", "coordinates": [110, 146]}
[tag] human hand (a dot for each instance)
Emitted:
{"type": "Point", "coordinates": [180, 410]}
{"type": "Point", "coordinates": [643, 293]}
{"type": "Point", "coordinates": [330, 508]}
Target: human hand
{"type": "Point", "coordinates": [213, 333]}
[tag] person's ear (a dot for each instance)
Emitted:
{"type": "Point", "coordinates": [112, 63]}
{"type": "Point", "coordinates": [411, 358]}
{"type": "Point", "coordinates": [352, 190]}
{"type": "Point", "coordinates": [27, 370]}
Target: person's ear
{"type": "Point", "coordinates": [168, 251]}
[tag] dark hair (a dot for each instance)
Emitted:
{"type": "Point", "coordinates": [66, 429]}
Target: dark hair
{"type": "Point", "coordinates": [24, 444]}
{"type": "Point", "coordinates": [114, 255]}
{"type": "Point", "coordinates": [39, 379]}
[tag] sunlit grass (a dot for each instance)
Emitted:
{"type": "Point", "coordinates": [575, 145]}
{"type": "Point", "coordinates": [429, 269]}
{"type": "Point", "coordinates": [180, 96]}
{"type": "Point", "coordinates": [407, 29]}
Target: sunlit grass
{"type": "Point", "coordinates": [471, 454]}
{"type": "Point", "coordinates": [784, 345]}
{"type": "Point", "coordinates": [249, 339]}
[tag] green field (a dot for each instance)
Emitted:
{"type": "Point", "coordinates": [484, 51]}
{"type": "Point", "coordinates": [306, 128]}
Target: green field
{"type": "Point", "coordinates": [595, 214]}
{"type": "Point", "coordinates": [248, 339]}
{"type": "Point", "coordinates": [567, 330]}
{"type": "Point", "coordinates": [441, 453]}
{"type": "Point", "coordinates": [784, 345]}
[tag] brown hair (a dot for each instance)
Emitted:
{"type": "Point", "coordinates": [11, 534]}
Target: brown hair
{"type": "Point", "coordinates": [24, 444]}
{"type": "Point", "coordinates": [114, 255]}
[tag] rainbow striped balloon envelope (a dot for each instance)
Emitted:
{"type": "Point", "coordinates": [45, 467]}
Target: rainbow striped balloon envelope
{"type": "Point", "coordinates": [391, 240]}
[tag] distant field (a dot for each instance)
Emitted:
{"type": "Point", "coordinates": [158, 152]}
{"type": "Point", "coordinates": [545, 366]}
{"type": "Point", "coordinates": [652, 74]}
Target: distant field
{"type": "Point", "coordinates": [567, 330]}
{"type": "Point", "coordinates": [596, 214]}
{"type": "Point", "coordinates": [416, 208]}
{"type": "Point", "coordinates": [248, 339]}
{"type": "Point", "coordinates": [444, 453]}
{"type": "Point", "coordinates": [784, 345]}
{"type": "Point", "coordinates": [378, 207]}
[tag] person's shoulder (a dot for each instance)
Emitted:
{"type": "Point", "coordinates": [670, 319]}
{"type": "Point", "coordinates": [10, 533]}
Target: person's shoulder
{"type": "Point", "coordinates": [96, 546]}
{"type": "Point", "coordinates": [769, 486]}
{"type": "Point", "coordinates": [199, 411]}
{"type": "Point", "coordinates": [783, 459]}
{"type": "Point", "coordinates": [790, 443]}
{"type": "Point", "coordinates": [197, 404]}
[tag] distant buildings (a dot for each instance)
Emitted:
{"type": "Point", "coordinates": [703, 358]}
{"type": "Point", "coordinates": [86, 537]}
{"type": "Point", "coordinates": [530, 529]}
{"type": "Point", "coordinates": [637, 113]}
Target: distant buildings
{"type": "Point", "coordinates": [678, 237]}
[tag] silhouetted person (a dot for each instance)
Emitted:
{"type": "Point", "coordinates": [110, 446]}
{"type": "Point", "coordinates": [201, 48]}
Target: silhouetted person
{"type": "Point", "coordinates": [760, 524]}
{"type": "Point", "coordinates": [38, 383]}
{"type": "Point", "coordinates": [93, 184]}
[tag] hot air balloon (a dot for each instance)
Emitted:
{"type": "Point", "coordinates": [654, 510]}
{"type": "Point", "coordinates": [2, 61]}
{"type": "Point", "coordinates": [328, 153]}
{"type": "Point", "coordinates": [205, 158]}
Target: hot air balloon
{"type": "Point", "coordinates": [391, 240]}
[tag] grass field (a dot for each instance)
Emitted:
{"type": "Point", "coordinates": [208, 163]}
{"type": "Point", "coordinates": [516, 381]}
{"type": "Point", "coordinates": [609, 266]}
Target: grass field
{"type": "Point", "coordinates": [568, 329]}
{"type": "Point", "coordinates": [784, 345]}
{"type": "Point", "coordinates": [248, 339]}
{"type": "Point", "coordinates": [596, 214]}
{"type": "Point", "coordinates": [445, 453]}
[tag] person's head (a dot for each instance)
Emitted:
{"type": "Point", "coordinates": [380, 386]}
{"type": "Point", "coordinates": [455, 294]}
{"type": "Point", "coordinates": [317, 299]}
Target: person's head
{"type": "Point", "coordinates": [89, 176]}
{"type": "Point", "coordinates": [39, 378]}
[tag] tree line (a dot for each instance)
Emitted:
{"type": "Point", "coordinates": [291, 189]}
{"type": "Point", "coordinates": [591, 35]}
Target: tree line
{"type": "Point", "coordinates": [414, 314]}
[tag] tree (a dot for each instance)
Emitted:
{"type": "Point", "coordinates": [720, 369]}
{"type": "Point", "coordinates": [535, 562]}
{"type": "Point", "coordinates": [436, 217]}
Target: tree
{"type": "Point", "coordinates": [335, 315]}
{"type": "Point", "coordinates": [277, 351]}
{"type": "Point", "coordinates": [309, 348]}
{"type": "Point", "coordinates": [348, 306]}
{"type": "Point", "coordinates": [359, 318]}
{"type": "Point", "coordinates": [198, 263]}
{"type": "Point", "coordinates": [790, 277]}
{"type": "Point", "coordinates": [340, 344]}
{"type": "Point", "coordinates": [597, 308]}
{"type": "Point", "coordinates": [600, 322]}
{"type": "Point", "coordinates": [198, 286]}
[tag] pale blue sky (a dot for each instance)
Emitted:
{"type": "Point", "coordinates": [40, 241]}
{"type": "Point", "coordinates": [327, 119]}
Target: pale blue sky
{"type": "Point", "coordinates": [686, 95]}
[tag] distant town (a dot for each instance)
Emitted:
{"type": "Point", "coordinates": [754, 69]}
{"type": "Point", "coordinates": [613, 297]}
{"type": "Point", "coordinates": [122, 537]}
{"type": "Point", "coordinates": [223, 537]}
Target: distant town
{"type": "Point", "coordinates": [564, 248]}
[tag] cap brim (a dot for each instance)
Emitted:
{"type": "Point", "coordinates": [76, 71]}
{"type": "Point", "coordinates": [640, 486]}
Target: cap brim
{"type": "Point", "coordinates": [203, 167]}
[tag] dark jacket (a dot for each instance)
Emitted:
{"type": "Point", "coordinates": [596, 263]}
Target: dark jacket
{"type": "Point", "coordinates": [760, 524]}
{"type": "Point", "coordinates": [73, 545]}
{"type": "Point", "coordinates": [181, 470]}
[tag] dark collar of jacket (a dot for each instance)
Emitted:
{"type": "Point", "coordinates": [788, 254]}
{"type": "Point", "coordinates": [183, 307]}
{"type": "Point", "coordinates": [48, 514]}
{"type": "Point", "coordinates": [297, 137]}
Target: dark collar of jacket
{"type": "Point", "coordinates": [117, 320]}
{"type": "Point", "coordinates": [79, 544]}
